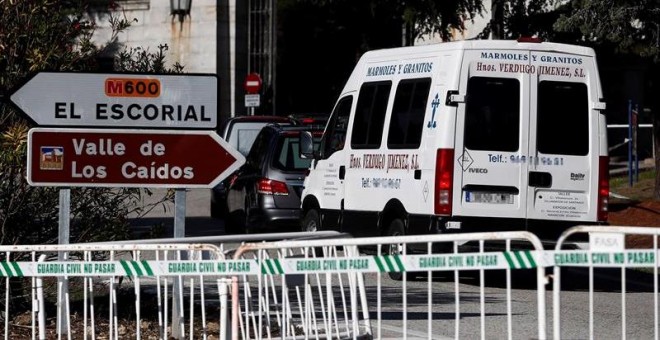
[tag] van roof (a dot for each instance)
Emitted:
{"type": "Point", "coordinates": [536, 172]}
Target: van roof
{"type": "Point", "coordinates": [481, 45]}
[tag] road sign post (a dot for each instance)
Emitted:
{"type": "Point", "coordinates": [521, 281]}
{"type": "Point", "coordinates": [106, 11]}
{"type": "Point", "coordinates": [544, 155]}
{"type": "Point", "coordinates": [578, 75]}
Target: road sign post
{"type": "Point", "coordinates": [252, 87]}
{"type": "Point", "coordinates": [68, 157]}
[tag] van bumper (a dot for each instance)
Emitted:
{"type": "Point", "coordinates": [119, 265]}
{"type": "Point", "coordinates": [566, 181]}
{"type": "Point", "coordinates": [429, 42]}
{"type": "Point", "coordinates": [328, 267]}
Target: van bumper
{"type": "Point", "coordinates": [545, 230]}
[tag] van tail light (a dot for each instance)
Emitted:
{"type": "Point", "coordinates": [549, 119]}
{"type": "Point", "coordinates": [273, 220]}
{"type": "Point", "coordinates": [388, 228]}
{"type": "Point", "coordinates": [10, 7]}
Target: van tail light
{"type": "Point", "coordinates": [267, 186]}
{"type": "Point", "coordinates": [603, 187]}
{"type": "Point", "coordinates": [444, 180]}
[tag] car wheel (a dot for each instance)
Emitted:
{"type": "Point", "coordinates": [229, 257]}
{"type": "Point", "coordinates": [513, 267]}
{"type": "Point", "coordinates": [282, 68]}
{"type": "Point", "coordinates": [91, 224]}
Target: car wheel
{"type": "Point", "coordinates": [395, 229]}
{"type": "Point", "coordinates": [311, 221]}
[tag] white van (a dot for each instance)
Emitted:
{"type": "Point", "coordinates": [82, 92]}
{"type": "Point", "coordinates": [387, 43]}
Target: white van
{"type": "Point", "coordinates": [463, 136]}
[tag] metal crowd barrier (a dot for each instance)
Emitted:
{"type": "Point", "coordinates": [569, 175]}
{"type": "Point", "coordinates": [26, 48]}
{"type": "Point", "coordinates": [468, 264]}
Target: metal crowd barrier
{"type": "Point", "coordinates": [338, 287]}
{"type": "Point", "coordinates": [98, 273]}
{"type": "Point", "coordinates": [610, 266]}
{"type": "Point", "coordinates": [331, 289]}
{"type": "Point", "coordinates": [184, 278]}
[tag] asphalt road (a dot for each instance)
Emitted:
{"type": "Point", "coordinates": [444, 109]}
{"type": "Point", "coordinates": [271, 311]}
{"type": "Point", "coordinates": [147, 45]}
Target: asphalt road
{"type": "Point", "coordinates": [607, 301]}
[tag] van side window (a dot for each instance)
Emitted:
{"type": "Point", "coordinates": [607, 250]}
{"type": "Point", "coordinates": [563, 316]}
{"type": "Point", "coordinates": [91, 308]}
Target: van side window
{"type": "Point", "coordinates": [335, 137]}
{"type": "Point", "coordinates": [492, 114]}
{"type": "Point", "coordinates": [407, 118]}
{"type": "Point", "coordinates": [563, 118]}
{"type": "Point", "coordinates": [369, 118]}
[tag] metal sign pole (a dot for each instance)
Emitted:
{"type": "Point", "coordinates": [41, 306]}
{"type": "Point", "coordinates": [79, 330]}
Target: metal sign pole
{"type": "Point", "coordinates": [635, 139]}
{"type": "Point", "coordinates": [62, 283]}
{"type": "Point", "coordinates": [177, 289]}
{"type": "Point", "coordinates": [630, 144]}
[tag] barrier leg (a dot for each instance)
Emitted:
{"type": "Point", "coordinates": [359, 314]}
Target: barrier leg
{"type": "Point", "coordinates": [41, 312]}
{"type": "Point", "coordinates": [223, 289]}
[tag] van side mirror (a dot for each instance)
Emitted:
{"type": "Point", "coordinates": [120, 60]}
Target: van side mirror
{"type": "Point", "coordinates": [306, 145]}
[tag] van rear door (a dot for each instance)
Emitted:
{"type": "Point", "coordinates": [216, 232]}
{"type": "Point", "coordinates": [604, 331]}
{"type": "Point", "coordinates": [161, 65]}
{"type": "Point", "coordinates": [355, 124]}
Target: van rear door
{"type": "Point", "coordinates": [527, 141]}
{"type": "Point", "coordinates": [491, 144]}
{"type": "Point", "coordinates": [564, 137]}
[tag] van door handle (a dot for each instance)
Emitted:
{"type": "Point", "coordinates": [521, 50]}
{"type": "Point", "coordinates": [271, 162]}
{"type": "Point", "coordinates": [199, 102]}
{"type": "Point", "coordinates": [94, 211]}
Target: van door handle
{"type": "Point", "coordinates": [342, 172]}
{"type": "Point", "coordinates": [418, 174]}
{"type": "Point", "coordinates": [540, 179]}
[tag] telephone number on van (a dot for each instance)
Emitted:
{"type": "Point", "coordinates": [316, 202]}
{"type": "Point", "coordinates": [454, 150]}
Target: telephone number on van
{"type": "Point", "coordinates": [536, 160]}
{"type": "Point", "coordinates": [384, 183]}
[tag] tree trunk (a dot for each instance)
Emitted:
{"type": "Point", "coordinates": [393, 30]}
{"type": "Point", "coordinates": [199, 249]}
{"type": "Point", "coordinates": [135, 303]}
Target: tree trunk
{"type": "Point", "coordinates": [655, 113]}
{"type": "Point", "coordinates": [656, 147]}
{"type": "Point", "coordinates": [497, 19]}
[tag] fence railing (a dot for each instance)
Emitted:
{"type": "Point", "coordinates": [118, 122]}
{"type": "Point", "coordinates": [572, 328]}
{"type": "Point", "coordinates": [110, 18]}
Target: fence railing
{"type": "Point", "coordinates": [338, 287]}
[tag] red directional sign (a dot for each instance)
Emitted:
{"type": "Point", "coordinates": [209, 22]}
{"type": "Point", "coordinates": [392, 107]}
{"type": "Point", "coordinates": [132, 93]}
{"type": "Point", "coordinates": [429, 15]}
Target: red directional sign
{"type": "Point", "coordinates": [252, 83]}
{"type": "Point", "coordinates": [129, 158]}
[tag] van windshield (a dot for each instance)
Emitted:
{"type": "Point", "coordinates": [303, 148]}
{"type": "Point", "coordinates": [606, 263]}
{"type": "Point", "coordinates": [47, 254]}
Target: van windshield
{"type": "Point", "coordinates": [492, 114]}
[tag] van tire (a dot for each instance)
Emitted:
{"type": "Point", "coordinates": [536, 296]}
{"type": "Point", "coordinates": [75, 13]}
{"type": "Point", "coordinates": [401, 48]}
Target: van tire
{"type": "Point", "coordinates": [395, 229]}
{"type": "Point", "coordinates": [311, 221]}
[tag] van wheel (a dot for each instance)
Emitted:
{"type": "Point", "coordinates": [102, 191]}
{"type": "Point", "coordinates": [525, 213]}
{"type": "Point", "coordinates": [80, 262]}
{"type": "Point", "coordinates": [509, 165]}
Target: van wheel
{"type": "Point", "coordinates": [311, 221]}
{"type": "Point", "coordinates": [395, 229]}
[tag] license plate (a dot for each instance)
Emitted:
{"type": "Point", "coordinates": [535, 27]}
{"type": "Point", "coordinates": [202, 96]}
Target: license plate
{"type": "Point", "coordinates": [488, 197]}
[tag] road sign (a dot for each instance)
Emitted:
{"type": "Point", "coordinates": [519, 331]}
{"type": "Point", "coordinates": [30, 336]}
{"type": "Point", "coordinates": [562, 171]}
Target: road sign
{"type": "Point", "coordinates": [252, 83]}
{"type": "Point", "coordinates": [129, 158]}
{"type": "Point", "coordinates": [120, 100]}
{"type": "Point", "coordinates": [252, 100]}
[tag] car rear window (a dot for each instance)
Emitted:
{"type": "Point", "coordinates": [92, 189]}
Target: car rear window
{"type": "Point", "coordinates": [241, 135]}
{"type": "Point", "coordinates": [287, 155]}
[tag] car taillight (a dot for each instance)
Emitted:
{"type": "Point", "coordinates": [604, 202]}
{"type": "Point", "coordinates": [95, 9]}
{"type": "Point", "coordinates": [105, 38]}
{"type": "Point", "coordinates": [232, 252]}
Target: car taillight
{"type": "Point", "coordinates": [444, 178]}
{"type": "Point", "coordinates": [271, 187]}
{"type": "Point", "coordinates": [603, 187]}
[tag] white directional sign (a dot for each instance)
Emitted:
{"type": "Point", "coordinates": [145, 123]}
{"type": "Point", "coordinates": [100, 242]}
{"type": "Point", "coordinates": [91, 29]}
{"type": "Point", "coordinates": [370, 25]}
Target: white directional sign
{"type": "Point", "coordinates": [120, 100]}
{"type": "Point", "coordinates": [252, 100]}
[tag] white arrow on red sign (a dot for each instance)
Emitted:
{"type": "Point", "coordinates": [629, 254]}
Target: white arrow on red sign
{"type": "Point", "coordinates": [129, 158]}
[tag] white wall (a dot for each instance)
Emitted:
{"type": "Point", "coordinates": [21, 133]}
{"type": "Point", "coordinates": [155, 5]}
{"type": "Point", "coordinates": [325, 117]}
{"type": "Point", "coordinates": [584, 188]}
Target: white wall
{"type": "Point", "coordinates": [194, 46]}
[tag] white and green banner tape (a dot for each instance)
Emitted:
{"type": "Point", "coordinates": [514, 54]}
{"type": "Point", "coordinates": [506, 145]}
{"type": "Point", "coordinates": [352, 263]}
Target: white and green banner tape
{"type": "Point", "coordinates": [363, 264]}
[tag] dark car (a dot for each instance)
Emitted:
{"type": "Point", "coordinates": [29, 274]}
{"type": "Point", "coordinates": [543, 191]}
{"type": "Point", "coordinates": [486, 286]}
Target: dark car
{"type": "Point", "coordinates": [240, 132]}
{"type": "Point", "coordinates": [264, 194]}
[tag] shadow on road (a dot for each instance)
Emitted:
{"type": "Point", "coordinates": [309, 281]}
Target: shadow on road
{"type": "Point", "coordinates": [607, 279]}
{"type": "Point", "coordinates": [572, 279]}
{"type": "Point", "coordinates": [163, 227]}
